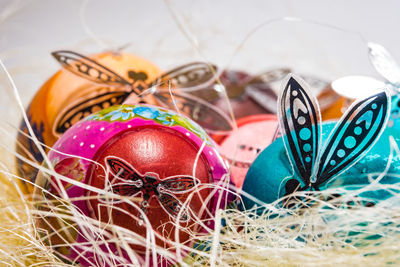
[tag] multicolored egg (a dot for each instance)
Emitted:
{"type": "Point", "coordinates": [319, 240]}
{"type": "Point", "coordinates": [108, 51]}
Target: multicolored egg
{"type": "Point", "coordinates": [312, 156]}
{"type": "Point", "coordinates": [66, 98]}
{"type": "Point", "coordinates": [254, 133]}
{"type": "Point", "coordinates": [135, 151]}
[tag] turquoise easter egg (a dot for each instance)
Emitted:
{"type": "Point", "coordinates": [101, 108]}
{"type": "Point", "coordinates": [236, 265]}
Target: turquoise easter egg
{"type": "Point", "coordinates": [394, 119]}
{"type": "Point", "coordinates": [268, 174]}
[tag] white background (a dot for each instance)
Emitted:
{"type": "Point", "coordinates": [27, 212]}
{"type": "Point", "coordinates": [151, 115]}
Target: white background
{"type": "Point", "coordinates": [30, 30]}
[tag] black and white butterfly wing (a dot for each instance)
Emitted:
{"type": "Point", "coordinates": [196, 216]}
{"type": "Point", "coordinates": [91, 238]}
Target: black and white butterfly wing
{"type": "Point", "coordinates": [173, 207]}
{"type": "Point", "coordinates": [180, 184]}
{"type": "Point", "coordinates": [299, 119]}
{"type": "Point", "coordinates": [89, 69]}
{"type": "Point", "coordinates": [384, 63]}
{"type": "Point", "coordinates": [122, 169]}
{"type": "Point", "coordinates": [275, 75]}
{"type": "Point", "coordinates": [203, 113]}
{"type": "Point", "coordinates": [352, 137]}
{"type": "Point", "coordinates": [188, 77]}
{"type": "Point", "coordinates": [86, 106]}
{"type": "Point", "coordinates": [123, 180]}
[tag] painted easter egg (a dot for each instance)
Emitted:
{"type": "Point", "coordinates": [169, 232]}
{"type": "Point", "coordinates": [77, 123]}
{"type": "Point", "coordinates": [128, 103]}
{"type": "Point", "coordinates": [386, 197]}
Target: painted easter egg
{"type": "Point", "coordinates": [67, 98]}
{"type": "Point", "coordinates": [248, 95]}
{"type": "Point", "coordinates": [311, 156]}
{"type": "Point", "coordinates": [254, 133]}
{"type": "Point", "coordinates": [150, 160]}
{"type": "Point", "coordinates": [394, 120]}
{"type": "Point", "coordinates": [266, 178]}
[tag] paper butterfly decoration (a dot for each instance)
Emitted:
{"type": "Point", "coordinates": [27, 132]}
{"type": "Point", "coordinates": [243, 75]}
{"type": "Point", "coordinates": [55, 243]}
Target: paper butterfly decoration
{"type": "Point", "coordinates": [190, 76]}
{"type": "Point", "coordinates": [127, 181]}
{"type": "Point", "coordinates": [313, 163]}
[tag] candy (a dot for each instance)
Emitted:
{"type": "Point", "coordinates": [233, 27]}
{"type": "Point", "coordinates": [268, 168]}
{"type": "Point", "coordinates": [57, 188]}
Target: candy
{"type": "Point", "coordinates": [144, 152]}
{"type": "Point", "coordinates": [303, 165]}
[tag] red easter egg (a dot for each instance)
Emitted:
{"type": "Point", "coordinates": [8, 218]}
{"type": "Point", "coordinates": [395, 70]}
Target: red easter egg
{"type": "Point", "coordinates": [155, 153]}
{"type": "Point", "coordinates": [139, 168]}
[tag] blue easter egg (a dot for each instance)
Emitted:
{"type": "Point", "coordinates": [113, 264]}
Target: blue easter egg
{"type": "Point", "coordinates": [268, 174]}
{"type": "Point", "coordinates": [394, 119]}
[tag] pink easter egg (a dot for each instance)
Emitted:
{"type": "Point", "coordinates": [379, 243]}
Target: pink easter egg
{"type": "Point", "coordinates": [152, 160]}
{"type": "Point", "coordinates": [254, 133]}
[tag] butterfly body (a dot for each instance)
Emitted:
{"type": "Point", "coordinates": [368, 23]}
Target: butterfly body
{"type": "Point", "coordinates": [149, 186]}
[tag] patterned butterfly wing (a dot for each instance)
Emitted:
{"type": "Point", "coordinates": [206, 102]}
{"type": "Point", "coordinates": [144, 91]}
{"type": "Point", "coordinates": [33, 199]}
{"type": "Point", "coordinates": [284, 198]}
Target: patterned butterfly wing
{"type": "Point", "coordinates": [300, 125]}
{"type": "Point", "coordinates": [125, 189]}
{"type": "Point", "coordinates": [205, 114]}
{"type": "Point", "coordinates": [129, 182]}
{"type": "Point", "coordinates": [354, 135]}
{"type": "Point", "coordinates": [275, 75]}
{"type": "Point", "coordinates": [89, 69]}
{"type": "Point", "coordinates": [180, 184]}
{"type": "Point", "coordinates": [84, 107]}
{"type": "Point", "coordinates": [192, 76]}
{"type": "Point", "coordinates": [384, 63]}
{"type": "Point", "coordinates": [173, 207]}
{"type": "Point", "coordinates": [122, 169]}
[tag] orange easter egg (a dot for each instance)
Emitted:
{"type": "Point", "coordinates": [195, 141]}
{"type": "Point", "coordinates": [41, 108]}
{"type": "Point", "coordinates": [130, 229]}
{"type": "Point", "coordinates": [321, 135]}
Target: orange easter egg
{"type": "Point", "coordinates": [66, 98]}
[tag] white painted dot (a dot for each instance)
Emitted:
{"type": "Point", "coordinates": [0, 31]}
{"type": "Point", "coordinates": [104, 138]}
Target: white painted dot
{"type": "Point", "coordinates": [102, 129]}
{"type": "Point", "coordinates": [74, 137]}
{"type": "Point", "coordinates": [88, 127]}
{"type": "Point", "coordinates": [91, 146]}
{"type": "Point", "coordinates": [187, 134]}
{"type": "Point", "coordinates": [129, 126]}
{"type": "Point", "coordinates": [81, 144]}
{"type": "Point", "coordinates": [212, 168]}
{"type": "Point", "coordinates": [210, 153]}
